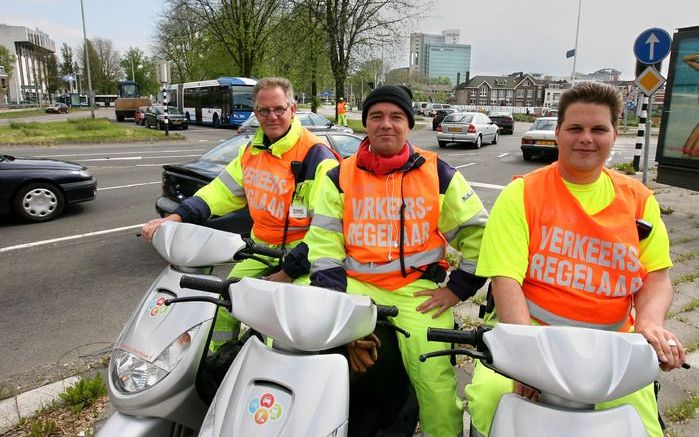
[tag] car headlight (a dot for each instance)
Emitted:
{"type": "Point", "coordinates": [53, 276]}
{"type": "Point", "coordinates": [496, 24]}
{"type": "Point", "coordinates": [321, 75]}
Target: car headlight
{"type": "Point", "coordinates": [84, 174]}
{"type": "Point", "coordinates": [132, 374]}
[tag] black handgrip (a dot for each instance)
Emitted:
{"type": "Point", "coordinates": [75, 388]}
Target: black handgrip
{"type": "Point", "coordinates": [453, 336]}
{"type": "Point", "coordinates": [260, 249]}
{"type": "Point", "coordinates": [386, 311]}
{"type": "Point", "coordinates": [213, 286]}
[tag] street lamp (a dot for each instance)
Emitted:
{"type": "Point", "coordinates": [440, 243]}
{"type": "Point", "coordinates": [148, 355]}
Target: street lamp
{"type": "Point", "coordinates": [575, 49]}
{"type": "Point", "coordinates": [90, 100]}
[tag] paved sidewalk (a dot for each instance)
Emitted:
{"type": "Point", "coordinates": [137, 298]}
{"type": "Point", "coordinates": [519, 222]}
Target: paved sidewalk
{"type": "Point", "coordinates": [678, 387]}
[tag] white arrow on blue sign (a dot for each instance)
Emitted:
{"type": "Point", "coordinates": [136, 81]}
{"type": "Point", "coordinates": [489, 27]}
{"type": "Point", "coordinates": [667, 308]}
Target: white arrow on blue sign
{"type": "Point", "coordinates": [652, 46]}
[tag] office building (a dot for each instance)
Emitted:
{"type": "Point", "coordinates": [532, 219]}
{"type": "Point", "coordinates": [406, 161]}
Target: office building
{"type": "Point", "coordinates": [440, 56]}
{"type": "Point", "coordinates": [28, 81]}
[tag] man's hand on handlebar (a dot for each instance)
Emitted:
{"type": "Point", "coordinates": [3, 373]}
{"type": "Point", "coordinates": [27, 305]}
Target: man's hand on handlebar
{"type": "Point", "coordinates": [148, 229]}
{"type": "Point", "coordinates": [526, 391]}
{"type": "Point", "coordinates": [363, 353]}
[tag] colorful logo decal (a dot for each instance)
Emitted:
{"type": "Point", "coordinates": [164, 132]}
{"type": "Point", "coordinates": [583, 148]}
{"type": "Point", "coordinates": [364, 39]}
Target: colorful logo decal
{"type": "Point", "coordinates": [157, 306]}
{"type": "Point", "coordinates": [265, 408]}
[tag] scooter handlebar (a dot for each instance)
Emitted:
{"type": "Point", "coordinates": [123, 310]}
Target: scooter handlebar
{"type": "Point", "coordinates": [213, 286]}
{"type": "Point", "coordinates": [254, 248]}
{"type": "Point", "coordinates": [453, 336]}
{"type": "Point", "coordinates": [383, 311]}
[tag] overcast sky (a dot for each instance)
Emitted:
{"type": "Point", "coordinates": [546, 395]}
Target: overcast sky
{"type": "Point", "coordinates": [505, 35]}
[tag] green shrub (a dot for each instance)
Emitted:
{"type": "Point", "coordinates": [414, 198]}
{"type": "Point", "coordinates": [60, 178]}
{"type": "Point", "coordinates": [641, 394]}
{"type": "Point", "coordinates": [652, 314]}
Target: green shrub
{"type": "Point", "coordinates": [43, 429]}
{"type": "Point", "coordinates": [626, 167]}
{"type": "Point", "coordinates": [82, 394]}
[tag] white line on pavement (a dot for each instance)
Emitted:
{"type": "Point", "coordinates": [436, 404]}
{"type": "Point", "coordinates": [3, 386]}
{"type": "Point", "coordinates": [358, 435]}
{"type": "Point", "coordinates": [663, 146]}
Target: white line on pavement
{"type": "Point", "coordinates": [138, 158]}
{"type": "Point", "coordinates": [128, 186]}
{"type": "Point", "coordinates": [482, 185]}
{"type": "Point", "coordinates": [465, 165]}
{"type": "Point", "coordinates": [70, 237]}
{"type": "Point", "coordinates": [160, 164]}
{"type": "Point", "coordinates": [503, 154]}
{"type": "Point", "coordinates": [119, 153]}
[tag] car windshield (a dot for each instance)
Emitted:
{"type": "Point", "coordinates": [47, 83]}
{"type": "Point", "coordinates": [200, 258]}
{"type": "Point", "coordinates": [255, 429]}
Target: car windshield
{"type": "Point", "coordinates": [170, 110]}
{"type": "Point", "coordinates": [312, 119]}
{"type": "Point", "coordinates": [227, 150]}
{"type": "Point", "coordinates": [544, 125]}
{"type": "Point", "coordinates": [458, 118]}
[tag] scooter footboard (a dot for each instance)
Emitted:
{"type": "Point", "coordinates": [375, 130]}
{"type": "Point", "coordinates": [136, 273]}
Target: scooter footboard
{"type": "Point", "coordinates": [523, 418]}
{"type": "Point", "coordinates": [124, 425]}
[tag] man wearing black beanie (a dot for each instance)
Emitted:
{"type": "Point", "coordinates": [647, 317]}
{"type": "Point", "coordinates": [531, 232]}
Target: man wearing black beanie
{"type": "Point", "coordinates": [380, 229]}
{"type": "Point", "coordinates": [398, 94]}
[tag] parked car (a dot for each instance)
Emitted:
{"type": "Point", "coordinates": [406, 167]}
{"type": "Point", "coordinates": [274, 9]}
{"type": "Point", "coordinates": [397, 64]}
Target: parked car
{"type": "Point", "coordinates": [439, 116]}
{"type": "Point", "coordinates": [467, 127]}
{"type": "Point", "coordinates": [37, 190]}
{"type": "Point", "coordinates": [140, 115]}
{"type": "Point", "coordinates": [183, 180]}
{"type": "Point", "coordinates": [310, 120]}
{"type": "Point", "coordinates": [540, 139]}
{"type": "Point", "coordinates": [434, 107]}
{"type": "Point", "coordinates": [155, 117]}
{"type": "Point", "coordinates": [57, 108]}
{"type": "Point", "coordinates": [504, 121]}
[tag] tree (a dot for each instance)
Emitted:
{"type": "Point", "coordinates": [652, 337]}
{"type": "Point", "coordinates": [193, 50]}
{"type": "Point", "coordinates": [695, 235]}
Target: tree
{"type": "Point", "coordinates": [185, 43]}
{"type": "Point", "coordinates": [141, 69]}
{"type": "Point", "coordinates": [53, 80]}
{"type": "Point", "coordinates": [351, 24]}
{"type": "Point", "coordinates": [242, 27]}
{"type": "Point", "coordinates": [7, 61]}
{"type": "Point", "coordinates": [105, 68]}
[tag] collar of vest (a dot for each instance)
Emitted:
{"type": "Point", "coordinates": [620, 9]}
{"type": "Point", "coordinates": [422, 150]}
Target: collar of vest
{"type": "Point", "coordinates": [282, 145]}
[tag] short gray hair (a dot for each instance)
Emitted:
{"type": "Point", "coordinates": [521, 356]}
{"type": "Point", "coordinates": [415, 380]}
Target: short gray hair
{"type": "Point", "coordinates": [274, 82]}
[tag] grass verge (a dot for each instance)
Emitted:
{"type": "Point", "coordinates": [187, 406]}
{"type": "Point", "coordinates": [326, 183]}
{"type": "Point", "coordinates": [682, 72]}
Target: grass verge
{"type": "Point", "coordinates": [683, 411]}
{"type": "Point", "coordinates": [77, 130]}
{"type": "Point", "coordinates": [31, 112]}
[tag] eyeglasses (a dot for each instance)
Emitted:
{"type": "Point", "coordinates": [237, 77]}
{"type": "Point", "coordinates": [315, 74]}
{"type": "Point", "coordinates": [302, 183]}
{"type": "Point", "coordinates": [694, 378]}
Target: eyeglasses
{"type": "Point", "coordinates": [278, 111]}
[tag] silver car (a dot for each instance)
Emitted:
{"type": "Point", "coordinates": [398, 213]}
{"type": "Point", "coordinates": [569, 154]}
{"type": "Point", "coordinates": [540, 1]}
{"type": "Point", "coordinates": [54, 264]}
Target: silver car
{"type": "Point", "coordinates": [467, 127]}
{"type": "Point", "coordinates": [540, 139]}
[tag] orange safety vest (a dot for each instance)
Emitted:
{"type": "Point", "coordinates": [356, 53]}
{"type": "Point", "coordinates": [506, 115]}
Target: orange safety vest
{"type": "Point", "coordinates": [583, 270]}
{"type": "Point", "coordinates": [341, 108]}
{"type": "Point", "coordinates": [270, 187]}
{"type": "Point", "coordinates": [372, 221]}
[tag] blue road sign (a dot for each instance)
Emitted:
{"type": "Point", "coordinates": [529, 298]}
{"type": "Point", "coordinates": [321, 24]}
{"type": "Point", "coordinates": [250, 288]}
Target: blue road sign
{"type": "Point", "coordinates": [652, 45]}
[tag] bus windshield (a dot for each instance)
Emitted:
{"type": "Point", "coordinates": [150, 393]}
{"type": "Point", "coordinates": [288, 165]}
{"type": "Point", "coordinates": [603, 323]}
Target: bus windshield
{"type": "Point", "coordinates": [242, 98]}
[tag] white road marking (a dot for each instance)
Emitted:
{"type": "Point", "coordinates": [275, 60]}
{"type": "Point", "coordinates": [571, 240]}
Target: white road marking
{"type": "Point", "coordinates": [70, 237]}
{"type": "Point", "coordinates": [483, 185]}
{"type": "Point", "coordinates": [465, 165]}
{"type": "Point", "coordinates": [503, 154]}
{"type": "Point", "coordinates": [160, 164]}
{"type": "Point", "coordinates": [128, 186]}
{"type": "Point", "coordinates": [119, 153]}
{"type": "Point", "coordinates": [138, 158]}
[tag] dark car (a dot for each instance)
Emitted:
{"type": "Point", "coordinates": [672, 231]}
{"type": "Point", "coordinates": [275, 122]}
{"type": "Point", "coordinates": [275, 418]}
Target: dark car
{"type": "Point", "coordinates": [155, 117]}
{"type": "Point", "coordinates": [37, 190]}
{"type": "Point", "coordinates": [439, 116]}
{"type": "Point", "coordinates": [504, 121]}
{"type": "Point", "coordinates": [183, 180]}
{"type": "Point", "coordinates": [140, 115]}
{"type": "Point", "coordinates": [310, 120]}
{"type": "Point", "coordinates": [57, 108]}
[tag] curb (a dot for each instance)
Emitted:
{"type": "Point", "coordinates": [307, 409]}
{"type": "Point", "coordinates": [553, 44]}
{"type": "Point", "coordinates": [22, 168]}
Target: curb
{"type": "Point", "coordinates": [28, 404]}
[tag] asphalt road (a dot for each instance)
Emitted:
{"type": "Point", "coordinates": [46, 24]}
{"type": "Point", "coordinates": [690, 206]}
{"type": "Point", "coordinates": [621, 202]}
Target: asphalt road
{"type": "Point", "coordinates": [68, 286]}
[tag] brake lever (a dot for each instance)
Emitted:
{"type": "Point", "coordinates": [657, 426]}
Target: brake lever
{"type": "Point", "coordinates": [390, 325]}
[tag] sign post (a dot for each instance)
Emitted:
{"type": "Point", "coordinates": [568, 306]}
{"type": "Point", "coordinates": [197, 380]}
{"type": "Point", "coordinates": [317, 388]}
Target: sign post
{"type": "Point", "coordinates": [164, 77]}
{"type": "Point", "coordinates": [650, 48]}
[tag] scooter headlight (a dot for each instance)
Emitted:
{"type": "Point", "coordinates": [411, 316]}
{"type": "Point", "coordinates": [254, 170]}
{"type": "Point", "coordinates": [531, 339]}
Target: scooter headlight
{"type": "Point", "coordinates": [131, 373]}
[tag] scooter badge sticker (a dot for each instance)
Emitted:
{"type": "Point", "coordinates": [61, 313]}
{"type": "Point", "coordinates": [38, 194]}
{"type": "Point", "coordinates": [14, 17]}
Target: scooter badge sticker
{"type": "Point", "coordinates": [264, 408]}
{"type": "Point", "coordinates": [157, 306]}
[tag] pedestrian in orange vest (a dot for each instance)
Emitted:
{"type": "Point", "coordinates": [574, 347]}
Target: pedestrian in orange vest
{"type": "Point", "coordinates": [342, 112]}
{"type": "Point", "coordinates": [562, 247]}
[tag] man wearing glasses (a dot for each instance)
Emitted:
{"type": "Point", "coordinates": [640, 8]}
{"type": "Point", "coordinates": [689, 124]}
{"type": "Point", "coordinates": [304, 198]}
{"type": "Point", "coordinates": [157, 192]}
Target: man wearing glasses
{"type": "Point", "coordinates": [275, 176]}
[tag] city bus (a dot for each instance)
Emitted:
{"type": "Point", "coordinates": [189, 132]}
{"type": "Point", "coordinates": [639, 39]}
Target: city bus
{"type": "Point", "coordinates": [226, 101]}
{"type": "Point", "coordinates": [105, 100]}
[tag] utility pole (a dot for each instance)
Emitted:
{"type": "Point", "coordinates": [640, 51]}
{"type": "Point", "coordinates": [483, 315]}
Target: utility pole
{"type": "Point", "coordinates": [90, 99]}
{"type": "Point", "coordinates": [575, 49]}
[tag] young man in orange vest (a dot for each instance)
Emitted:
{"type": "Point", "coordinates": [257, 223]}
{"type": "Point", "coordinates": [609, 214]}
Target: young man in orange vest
{"type": "Point", "coordinates": [381, 226]}
{"type": "Point", "coordinates": [562, 248]}
{"type": "Point", "coordinates": [342, 112]}
{"type": "Point", "coordinates": [276, 176]}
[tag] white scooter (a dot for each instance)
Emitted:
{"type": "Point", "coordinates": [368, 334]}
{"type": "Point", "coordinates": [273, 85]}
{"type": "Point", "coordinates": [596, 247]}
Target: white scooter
{"type": "Point", "coordinates": [574, 369]}
{"type": "Point", "coordinates": [160, 381]}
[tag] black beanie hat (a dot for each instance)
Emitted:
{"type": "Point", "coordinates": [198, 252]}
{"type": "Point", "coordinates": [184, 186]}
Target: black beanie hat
{"type": "Point", "coordinates": [397, 94]}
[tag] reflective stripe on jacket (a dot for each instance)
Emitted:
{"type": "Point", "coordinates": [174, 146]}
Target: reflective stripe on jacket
{"type": "Point", "coordinates": [583, 269]}
{"type": "Point", "coordinates": [383, 212]}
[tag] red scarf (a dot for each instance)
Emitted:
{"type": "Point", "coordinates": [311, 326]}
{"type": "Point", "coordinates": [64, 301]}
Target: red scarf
{"type": "Point", "coordinates": [378, 164]}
